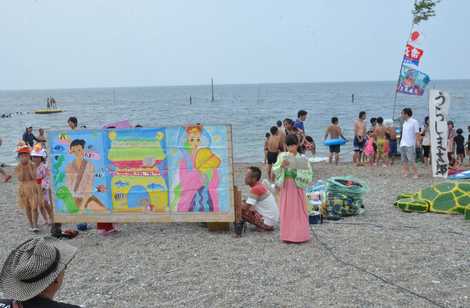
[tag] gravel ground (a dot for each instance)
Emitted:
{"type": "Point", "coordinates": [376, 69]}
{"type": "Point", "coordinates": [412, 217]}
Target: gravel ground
{"type": "Point", "coordinates": [383, 258]}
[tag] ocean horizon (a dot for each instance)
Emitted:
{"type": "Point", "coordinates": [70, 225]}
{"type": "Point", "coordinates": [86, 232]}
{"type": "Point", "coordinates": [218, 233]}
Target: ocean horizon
{"type": "Point", "coordinates": [251, 109]}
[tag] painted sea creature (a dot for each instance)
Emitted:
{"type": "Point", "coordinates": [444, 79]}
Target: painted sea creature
{"type": "Point", "coordinates": [58, 148]}
{"type": "Point", "coordinates": [121, 184]}
{"type": "Point", "coordinates": [100, 173]}
{"type": "Point", "coordinates": [155, 186]}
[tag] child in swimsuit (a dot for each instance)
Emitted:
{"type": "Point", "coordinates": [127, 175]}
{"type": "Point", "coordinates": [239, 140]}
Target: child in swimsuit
{"type": "Point", "coordinates": [460, 146]}
{"type": "Point", "coordinates": [381, 141]}
{"type": "Point", "coordinates": [274, 146]}
{"type": "Point", "coordinates": [38, 156]}
{"type": "Point", "coordinates": [369, 148]}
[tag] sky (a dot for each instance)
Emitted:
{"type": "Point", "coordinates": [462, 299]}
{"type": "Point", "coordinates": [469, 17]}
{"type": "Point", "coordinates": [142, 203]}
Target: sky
{"type": "Point", "coordinates": [48, 44]}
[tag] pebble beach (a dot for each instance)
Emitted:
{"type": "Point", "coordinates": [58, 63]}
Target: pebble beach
{"type": "Point", "coordinates": [384, 257]}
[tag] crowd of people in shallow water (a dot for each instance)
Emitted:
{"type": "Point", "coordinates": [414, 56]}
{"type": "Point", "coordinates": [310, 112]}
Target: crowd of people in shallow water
{"type": "Point", "coordinates": [10, 115]}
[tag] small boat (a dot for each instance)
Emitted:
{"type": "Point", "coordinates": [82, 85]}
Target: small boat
{"type": "Point", "coordinates": [47, 111]}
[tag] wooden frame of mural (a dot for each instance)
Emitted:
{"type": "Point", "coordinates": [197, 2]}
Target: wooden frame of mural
{"type": "Point", "coordinates": [166, 174]}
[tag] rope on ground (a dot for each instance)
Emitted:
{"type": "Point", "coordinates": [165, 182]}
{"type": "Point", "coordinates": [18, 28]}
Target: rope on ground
{"type": "Point", "coordinates": [394, 228]}
{"type": "Point", "coordinates": [384, 280]}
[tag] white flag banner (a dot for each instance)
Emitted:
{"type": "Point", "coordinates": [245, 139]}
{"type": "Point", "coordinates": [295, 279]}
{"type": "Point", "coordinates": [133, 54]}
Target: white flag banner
{"type": "Point", "coordinates": [439, 102]}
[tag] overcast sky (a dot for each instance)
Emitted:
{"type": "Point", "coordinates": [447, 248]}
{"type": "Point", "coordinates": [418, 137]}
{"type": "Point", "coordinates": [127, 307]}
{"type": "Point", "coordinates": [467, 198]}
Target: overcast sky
{"type": "Point", "coordinates": [112, 43]}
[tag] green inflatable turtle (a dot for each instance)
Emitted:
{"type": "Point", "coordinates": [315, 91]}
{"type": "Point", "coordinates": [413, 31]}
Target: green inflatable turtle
{"type": "Point", "coordinates": [445, 198]}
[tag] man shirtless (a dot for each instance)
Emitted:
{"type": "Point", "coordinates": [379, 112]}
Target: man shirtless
{"type": "Point", "coordinates": [391, 134]}
{"type": "Point", "coordinates": [282, 134]}
{"type": "Point", "coordinates": [334, 131]}
{"type": "Point", "coordinates": [274, 146]}
{"type": "Point", "coordinates": [359, 138]}
{"type": "Point", "coordinates": [381, 141]}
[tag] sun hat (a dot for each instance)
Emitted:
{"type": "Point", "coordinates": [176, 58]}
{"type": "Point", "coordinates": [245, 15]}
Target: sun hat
{"type": "Point", "coordinates": [33, 266]}
{"type": "Point", "coordinates": [388, 122]}
{"type": "Point", "coordinates": [39, 151]}
{"type": "Point", "coordinates": [22, 147]}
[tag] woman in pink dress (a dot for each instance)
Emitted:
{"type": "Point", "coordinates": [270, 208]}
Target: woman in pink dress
{"type": "Point", "coordinates": [294, 225]}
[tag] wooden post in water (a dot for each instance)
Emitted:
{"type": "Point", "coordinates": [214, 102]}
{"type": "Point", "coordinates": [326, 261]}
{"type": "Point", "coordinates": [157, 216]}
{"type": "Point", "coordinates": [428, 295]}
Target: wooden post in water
{"type": "Point", "coordinates": [212, 89]}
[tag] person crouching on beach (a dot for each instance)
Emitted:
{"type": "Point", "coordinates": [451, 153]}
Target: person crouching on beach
{"type": "Point", "coordinates": [274, 147]}
{"type": "Point", "coordinates": [29, 191]}
{"type": "Point", "coordinates": [260, 208]}
{"type": "Point", "coordinates": [38, 156]}
{"type": "Point", "coordinates": [294, 225]}
{"type": "Point", "coordinates": [334, 131]}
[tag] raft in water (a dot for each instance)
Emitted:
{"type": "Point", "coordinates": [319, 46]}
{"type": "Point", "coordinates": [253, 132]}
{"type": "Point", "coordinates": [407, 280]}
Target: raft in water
{"type": "Point", "coordinates": [47, 111]}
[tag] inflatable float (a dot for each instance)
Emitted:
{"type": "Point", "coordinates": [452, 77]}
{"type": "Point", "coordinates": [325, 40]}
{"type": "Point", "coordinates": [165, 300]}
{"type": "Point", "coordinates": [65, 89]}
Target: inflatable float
{"type": "Point", "coordinates": [463, 175]}
{"type": "Point", "coordinates": [48, 111]}
{"type": "Point", "coordinates": [338, 141]}
{"type": "Point", "coordinates": [444, 198]}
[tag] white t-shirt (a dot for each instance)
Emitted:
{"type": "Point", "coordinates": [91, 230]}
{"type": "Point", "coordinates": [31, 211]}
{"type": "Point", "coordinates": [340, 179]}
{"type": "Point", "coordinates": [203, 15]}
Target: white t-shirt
{"type": "Point", "coordinates": [408, 134]}
{"type": "Point", "coordinates": [265, 204]}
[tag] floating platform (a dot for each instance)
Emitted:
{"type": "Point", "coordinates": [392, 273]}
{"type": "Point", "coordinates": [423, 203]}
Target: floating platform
{"type": "Point", "coordinates": [47, 111]}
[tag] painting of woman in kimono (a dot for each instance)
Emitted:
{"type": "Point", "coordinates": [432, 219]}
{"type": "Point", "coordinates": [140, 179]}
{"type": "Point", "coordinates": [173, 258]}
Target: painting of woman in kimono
{"type": "Point", "coordinates": [198, 175]}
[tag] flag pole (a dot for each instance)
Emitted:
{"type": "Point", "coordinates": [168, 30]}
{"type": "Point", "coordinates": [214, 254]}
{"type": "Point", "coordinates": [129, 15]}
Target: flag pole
{"type": "Point", "coordinates": [401, 69]}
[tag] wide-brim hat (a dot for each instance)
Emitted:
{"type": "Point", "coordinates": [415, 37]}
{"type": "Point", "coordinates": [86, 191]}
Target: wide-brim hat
{"type": "Point", "coordinates": [22, 147]}
{"type": "Point", "coordinates": [39, 151]}
{"type": "Point", "coordinates": [24, 150]}
{"type": "Point", "coordinates": [33, 266]}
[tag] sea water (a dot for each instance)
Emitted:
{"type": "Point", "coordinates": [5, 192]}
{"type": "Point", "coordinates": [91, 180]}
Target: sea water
{"type": "Point", "coordinates": [250, 109]}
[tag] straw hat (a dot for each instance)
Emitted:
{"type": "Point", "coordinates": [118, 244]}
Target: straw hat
{"type": "Point", "coordinates": [39, 151]}
{"type": "Point", "coordinates": [33, 266]}
{"type": "Point", "coordinates": [22, 147]}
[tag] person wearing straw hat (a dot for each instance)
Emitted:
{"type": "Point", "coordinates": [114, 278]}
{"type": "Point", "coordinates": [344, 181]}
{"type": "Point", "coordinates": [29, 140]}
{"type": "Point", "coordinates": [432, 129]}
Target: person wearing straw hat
{"type": "Point", "coordinates": [29, 191]}
{"type": "Point", "coordinates": [38, 156]}
{"type": "Point", "coordinates": [34, 272]}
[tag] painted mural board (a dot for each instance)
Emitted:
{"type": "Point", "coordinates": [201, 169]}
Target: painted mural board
{"type": "Point", "coordinates": [166, 174]}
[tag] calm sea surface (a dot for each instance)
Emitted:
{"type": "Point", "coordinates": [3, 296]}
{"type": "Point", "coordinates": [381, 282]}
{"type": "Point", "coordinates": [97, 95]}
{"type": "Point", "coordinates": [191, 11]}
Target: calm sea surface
{"type": "Point", "coordinates": [251, 109]}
